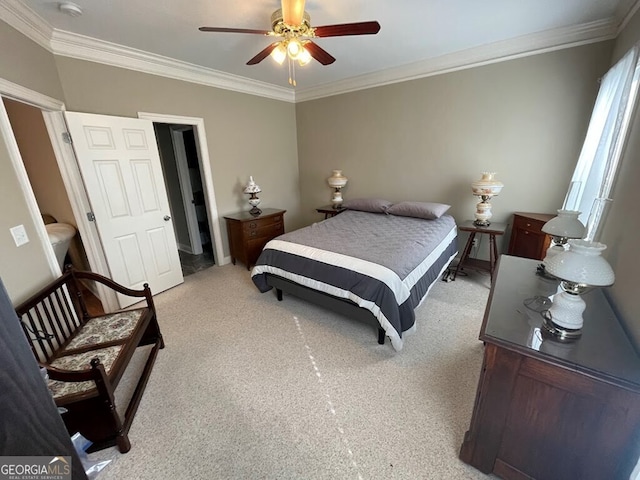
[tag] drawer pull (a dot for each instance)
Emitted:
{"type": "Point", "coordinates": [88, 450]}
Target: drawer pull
{"type": "Point", "coordinates": [526, 233]}
{"type": "Point", "coordinates": [276, 219]}
{"type": "Point", "coordinates": [253, 234]}
{"type": "Point", "coordinates": [253, 225]}
{"type": "Point", "coordinates": [528, 224]}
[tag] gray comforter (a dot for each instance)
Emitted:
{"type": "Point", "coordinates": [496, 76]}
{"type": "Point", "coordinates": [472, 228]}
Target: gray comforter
{"type": "Point", "coordinates": [384, 263]}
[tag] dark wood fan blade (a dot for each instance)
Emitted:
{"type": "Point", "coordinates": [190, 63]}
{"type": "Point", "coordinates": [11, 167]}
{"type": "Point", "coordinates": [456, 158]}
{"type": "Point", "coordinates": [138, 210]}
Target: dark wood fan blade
{"type": "Point", "coordinates": [319, 53]}
{"type": "Point", "coordinates": [292, 11]}
{"type": "Point", "coordinates": [263, 54]}
{"type": "Point", "coordinates": [233, 30]}
{"type": "Point", "coordinates": [359, 28]}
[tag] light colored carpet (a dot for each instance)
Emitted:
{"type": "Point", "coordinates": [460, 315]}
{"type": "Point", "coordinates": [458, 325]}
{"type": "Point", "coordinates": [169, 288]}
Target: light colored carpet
{"type": "Point", "coordinates": [249, 387]}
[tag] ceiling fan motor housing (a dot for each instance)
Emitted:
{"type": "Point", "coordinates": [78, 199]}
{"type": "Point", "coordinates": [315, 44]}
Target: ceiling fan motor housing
{"type": "Point", "coordinates": [280, 28]}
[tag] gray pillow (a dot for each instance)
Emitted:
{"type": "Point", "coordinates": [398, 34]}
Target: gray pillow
{"type": "Point", "coordinates": [373, 205]}
{"type": "Point", "coordinates": [426, 210]}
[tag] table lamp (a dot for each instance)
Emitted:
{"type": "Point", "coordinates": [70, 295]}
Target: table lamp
{"type": "Point", "coordinates": [562, 228]}
{"type": "Point", "coordinates": [253, 189]}
{"type": "Point", "coordinates": [579, 268]}
{"type": "Point", "coordinates": [486, 188]}
{"type": "Point", "coordinates": [337, 181]}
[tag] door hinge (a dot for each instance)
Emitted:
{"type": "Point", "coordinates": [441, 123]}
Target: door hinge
{"type": "Point", "coordinates": [66, 138]}
{"type": "Point", "coordinates": [91, 217]}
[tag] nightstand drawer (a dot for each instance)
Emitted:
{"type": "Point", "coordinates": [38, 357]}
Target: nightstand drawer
{"type": "Point", "coordinates": [527, 224]}
{"type": "Point", "coordinates": [270, 231]}
{"type": "Point", "coordinates": [260, 223]}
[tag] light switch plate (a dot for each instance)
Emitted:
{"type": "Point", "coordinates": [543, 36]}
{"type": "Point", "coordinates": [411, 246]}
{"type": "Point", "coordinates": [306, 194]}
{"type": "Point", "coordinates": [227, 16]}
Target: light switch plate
{"type": "Point", "coordinates": [19, 235]}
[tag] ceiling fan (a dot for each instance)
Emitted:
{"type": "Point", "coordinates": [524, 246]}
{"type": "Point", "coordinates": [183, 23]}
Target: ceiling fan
{"type": "Point", "coordinates": [293, 25]}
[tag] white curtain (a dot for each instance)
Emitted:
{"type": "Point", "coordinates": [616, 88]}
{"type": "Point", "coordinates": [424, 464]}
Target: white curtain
{"type": "Point", "coordinates": [605, 139]}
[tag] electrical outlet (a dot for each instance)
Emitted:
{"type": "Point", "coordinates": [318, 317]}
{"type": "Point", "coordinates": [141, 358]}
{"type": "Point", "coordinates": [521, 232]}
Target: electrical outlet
{"type": "Point", "coordinates": [474, 243]}
{"type": "Point", "coordinates": [19, 235]}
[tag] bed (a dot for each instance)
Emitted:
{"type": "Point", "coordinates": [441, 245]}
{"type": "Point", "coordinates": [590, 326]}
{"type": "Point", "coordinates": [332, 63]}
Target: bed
{"type": "Point", "coordinates": [376, 267]}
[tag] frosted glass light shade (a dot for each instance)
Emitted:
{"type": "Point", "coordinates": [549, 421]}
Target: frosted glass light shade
{"type": "Point", "coordinates": [582, 264]}
{"type": "Point", "coordinates": [566, 225]}
{"type": "Point", "coordinates": [279, 53]}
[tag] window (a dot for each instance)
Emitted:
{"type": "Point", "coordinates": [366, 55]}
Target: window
{"type": "Point", "coordinates": [593, 178]}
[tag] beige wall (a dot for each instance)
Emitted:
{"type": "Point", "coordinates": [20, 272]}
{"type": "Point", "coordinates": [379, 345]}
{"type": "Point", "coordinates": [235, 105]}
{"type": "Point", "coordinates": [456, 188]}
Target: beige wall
{"type": "Point", "coordinates": [620, 232]}
{"type": "Point", "coordinates": [247, 135]}
{"type": "Point", "coordinates": [24, 62]}
{"type": "Point", "coordinates": [23, 269]}
{"type": "Point", "coordinates": [39, 160]}
{"type": "Point", "coordinates": [428, 139]}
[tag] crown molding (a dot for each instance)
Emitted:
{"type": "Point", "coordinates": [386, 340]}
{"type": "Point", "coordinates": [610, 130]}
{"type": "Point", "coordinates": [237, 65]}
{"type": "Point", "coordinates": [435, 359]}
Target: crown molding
{"type": "Point", "coordinates": [73, 45]}
{"type": "Point", "coordinates": [626, 18]}
{"type": "Point", "coordinates": [519, 47]}
{"type": "Point", "coordinates": [26, 21]}
{"type": "Point", "coordinates": [68, 44]}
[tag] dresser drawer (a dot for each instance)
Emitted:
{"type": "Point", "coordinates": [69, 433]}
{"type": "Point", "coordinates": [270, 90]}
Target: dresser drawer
{"type": "Point", "coordinates": [266, 231]}
{"type": "Point", "coordinates": [530, 225]}
{"type": "Point", "coordinates": [260, 223]}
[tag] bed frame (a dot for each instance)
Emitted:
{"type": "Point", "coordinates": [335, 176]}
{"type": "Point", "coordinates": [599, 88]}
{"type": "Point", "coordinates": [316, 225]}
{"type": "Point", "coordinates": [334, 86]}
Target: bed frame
{"type": "Point", "coordinates": [338, 305]}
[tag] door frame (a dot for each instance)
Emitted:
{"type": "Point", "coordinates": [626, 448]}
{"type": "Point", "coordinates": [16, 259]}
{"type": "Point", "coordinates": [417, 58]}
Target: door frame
{"type": "Point", "coordinates": [205, 172]}
{"type": "Point", "coordinates": [180, 154]}
{"type": "Point", "coordinates": [53, 115]}
{"type": "Point", "coordinates": [45, 103]}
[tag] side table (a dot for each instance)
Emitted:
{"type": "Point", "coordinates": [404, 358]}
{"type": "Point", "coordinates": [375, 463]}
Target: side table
{"type": "Point", "coordinates": [248, 234]}
{"type": "Point", "coordinates": [492, 230]}
{"type": "Point", "coordinates": [329, 211]}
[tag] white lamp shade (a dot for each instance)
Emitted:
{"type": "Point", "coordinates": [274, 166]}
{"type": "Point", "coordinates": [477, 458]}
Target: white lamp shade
{"type": "Point", "coordinates": [487, 185]}
{"type": "Point", "coordinates": [337, 179]}
{"type": "Point", "coordinates": [566, 224]}
{"type": "Point", "coordinates": [582, 264]}
{"type": "Point", "coordinates": [252, 187]}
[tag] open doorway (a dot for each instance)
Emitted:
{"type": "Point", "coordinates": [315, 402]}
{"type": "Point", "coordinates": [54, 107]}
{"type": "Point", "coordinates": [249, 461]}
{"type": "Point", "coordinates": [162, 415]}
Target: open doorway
{"type": "Point", "coordinates": [182, 173]}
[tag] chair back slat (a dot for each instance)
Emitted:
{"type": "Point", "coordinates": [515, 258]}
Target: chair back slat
{"type": "Point", "coordinates": [50, 321]}
{"type": "Point", "coordinates": [70, 320]}
{"type": "Point", "coordinates": [36, 337]}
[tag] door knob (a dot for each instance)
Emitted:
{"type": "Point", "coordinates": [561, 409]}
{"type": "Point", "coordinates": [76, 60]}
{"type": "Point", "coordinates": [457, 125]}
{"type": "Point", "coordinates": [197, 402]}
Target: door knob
{"type": "Point", "coordinates": [167, 218]}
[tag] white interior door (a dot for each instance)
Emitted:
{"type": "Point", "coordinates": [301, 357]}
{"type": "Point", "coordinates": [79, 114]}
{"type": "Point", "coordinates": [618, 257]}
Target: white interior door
{"type": "Point", "coordinates": [120, 166]}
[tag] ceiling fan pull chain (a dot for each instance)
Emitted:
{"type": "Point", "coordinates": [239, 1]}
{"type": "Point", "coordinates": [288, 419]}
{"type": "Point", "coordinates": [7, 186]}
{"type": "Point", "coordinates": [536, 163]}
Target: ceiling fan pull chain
{"type": "Point", "coordinates": [292, 72]}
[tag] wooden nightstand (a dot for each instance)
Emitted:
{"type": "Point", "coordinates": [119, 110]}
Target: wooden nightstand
{"type": "Point", "coordinates": [329, 211]}
{"type": "Point", "coordinates": [248, 234]}
{"type": "Point", "coordinates": [527, 238]}
{"type": "Point", "coordinates": [465, 260]}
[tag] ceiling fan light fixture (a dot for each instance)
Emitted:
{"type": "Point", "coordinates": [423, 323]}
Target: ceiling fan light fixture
{"type": "Point", "coordinates": [294, 48]}
{"type": "Point", "coordinates": [279, 53]}
{"type": "Point", "coordinates": [304, 57]}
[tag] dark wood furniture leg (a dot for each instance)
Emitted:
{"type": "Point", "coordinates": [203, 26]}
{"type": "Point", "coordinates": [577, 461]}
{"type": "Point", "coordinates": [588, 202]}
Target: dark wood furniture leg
{"type": "Point", "coordinates": [493, 254]}
{"type": "Point", "coordinates": [465, 254]}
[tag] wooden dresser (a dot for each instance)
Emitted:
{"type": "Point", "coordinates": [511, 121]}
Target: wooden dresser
{"type": "Point", "coordinates": [547, 410]}
{"type": "Point", "coordinates": [248, 234]}
{"type": "Point", "coordinates": [527, 238]}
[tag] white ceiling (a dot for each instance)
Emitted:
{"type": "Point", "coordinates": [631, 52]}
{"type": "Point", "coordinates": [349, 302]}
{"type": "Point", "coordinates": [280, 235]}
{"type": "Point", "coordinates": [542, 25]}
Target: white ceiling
{"type": "Point", "coordinates": [417, 37]}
